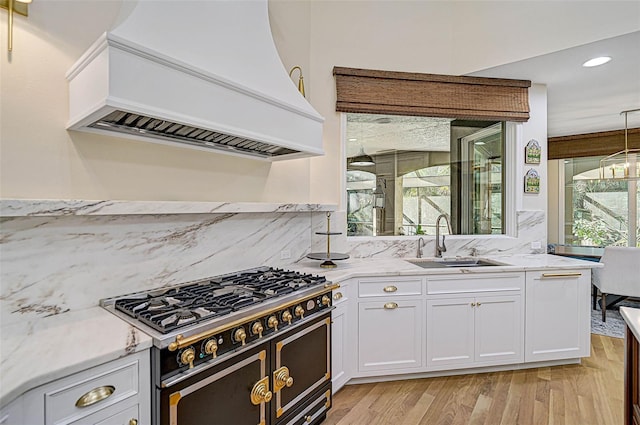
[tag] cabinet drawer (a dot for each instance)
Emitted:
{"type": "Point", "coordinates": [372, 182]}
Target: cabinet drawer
{"type": "Point", "coordinates": [389, 287]}
{"type": "Point", "coordinates": [340, 295]}
{"type": "Point", "coordinates": [95, 388]}
{"type": "Point", "coordinates": [462, 284]}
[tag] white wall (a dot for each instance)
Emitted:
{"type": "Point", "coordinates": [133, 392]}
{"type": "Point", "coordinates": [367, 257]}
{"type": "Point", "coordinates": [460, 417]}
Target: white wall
{"type": "Point", "coordinates": [40, 159]}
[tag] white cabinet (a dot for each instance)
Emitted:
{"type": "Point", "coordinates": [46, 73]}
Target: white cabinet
{"type": "Point", "coordinates": [113, 393]}
{"type": "Point", "coordinates": [558, 317]}
{"type": "Point", "coordinates": [12, 413]}
{"type": "Point", "coordinates": [340, 370]}
{"type": "Point", "coordinates": [390, 335]}
{"type": "Point", "coordinates": [390, 325]}
{"type": "Point", "coordinates": [474, 321]}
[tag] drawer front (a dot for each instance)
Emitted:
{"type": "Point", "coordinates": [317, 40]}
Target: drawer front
{"type": "Point", "coordinates": [126, 417]}
{"type": "Point", "coordinates": [90, 391]}
{"type": "Point", "coordinates": [389, 287]}
{"type": "Point", "coordinates": [340, 295]}
{"type": "Point", "coordinates": [464, 283]}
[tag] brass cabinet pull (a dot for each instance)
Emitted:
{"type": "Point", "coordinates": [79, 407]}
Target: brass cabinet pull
{"type": "Point", "coordinates": [473, 304]}
{"type": "Point", "coordinates": [308, 419]}
{"type": "Point", "coordinates": [390, 306]}
{"type": "Point", "coordinates": [478, 304]}
{"type": "Point", "coordinates": [133, 422]}
{"type": "Point", "coordinates": [551, 275]}
{"type": "Point", "coordinates": [337, 296]}
{"type": "Point", "coordinates": [281, 379]}
{"type": "Point", "coordinates": [95, 395]}
{"type": "Point", "coordinates": [260, 392]}
{"type": "Point", "coordinates": [390, 288]}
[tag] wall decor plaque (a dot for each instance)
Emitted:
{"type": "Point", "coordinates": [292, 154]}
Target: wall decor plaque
{"type": "Point", "coordinates": [532, 152]}
{"type": "Point", "coordinates": [532, 181]}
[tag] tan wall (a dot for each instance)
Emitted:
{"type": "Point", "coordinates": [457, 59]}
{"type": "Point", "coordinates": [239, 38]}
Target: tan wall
{"type": "Point", "coordinates": [40, 159]}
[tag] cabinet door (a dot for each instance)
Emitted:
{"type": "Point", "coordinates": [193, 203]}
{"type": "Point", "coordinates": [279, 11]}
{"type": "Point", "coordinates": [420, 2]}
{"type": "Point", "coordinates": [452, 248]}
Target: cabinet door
{"type": "Point", "coordinates": [390, 335]}
{"type": "Point", "coordinates": [499, 330]}
{"type": "Point", "coordinates": [339, 375]}
{"type": "Point", "coordinates": [450, 333]}
{"type": "Point", "coordinates": [557, 315]}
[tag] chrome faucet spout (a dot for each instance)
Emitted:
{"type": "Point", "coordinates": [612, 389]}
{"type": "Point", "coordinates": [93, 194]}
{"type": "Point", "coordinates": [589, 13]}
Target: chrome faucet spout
{"type": "Point", "coordinates": [421, 243]}
{"type": "Point", "coordinates": [441, 248]}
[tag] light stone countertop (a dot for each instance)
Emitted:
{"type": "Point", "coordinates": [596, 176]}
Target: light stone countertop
{"type": "Point", "coordinates": [632, 317]}
{"type": "Point", "coordinates": [43, 350]}
{"type": "Point", "coordinates": [37, 352]}
{"type": "Point", "coordinates": [353, 268]}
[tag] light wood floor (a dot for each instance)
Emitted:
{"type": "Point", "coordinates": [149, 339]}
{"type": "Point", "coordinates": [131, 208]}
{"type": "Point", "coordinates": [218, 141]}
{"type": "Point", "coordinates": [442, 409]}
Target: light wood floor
{"type": "Point", "coordinates": [587, 394]}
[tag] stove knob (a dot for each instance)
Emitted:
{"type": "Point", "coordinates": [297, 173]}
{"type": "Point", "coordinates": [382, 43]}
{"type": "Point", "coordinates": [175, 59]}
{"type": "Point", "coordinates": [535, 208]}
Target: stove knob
{"type": "Point", "coordinates": [211, 347]}
{"type": "Point", "coordinates": [272, 323]}
{"type": "Point", "coordinates": [286, 316]}
{"type": "Point", "coordinates": [326, 300]}
{"type": "Point", "coordinates": [257, 328]}
{"type": "Point", "coordinates": [188, 356]}
{"type": "Point", "coordinates": [299, 311]}
{"type": "Point", "coordinates": [240, 336]}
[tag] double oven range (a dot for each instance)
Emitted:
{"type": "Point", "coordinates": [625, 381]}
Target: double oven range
{"type": "Point", "coordinates": [252, 347]}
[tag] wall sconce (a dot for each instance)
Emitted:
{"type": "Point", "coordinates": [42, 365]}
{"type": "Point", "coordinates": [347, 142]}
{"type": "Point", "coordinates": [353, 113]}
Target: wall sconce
{"type": "Point", "coordinates": [300, 79]}
{"type": "Point", "coordinates": [379, 193]}
{"type": "Point", "coordinates": [18, 6]}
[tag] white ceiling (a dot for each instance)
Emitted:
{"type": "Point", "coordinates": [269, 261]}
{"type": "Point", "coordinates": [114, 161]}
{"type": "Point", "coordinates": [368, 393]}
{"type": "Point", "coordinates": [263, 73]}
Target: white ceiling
{"type": "Point", "coordinates": [584, 100]}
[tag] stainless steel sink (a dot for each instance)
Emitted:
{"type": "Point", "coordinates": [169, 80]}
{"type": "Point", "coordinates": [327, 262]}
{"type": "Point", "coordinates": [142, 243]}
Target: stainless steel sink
{"type": "Point", "coordinates": [453, 262]}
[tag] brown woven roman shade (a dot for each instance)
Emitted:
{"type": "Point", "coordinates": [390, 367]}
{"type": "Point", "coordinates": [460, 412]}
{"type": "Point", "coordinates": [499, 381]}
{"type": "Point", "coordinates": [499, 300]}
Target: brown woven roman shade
{"type": "Point", "coordinates": [431, 95]}
{"type": "Point", "coordinates": [592, 144]}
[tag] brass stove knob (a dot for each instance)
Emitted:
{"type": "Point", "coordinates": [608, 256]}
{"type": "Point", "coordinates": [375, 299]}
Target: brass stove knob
{"type": "Point", "coordinates": [325, 300]}
{"type": "Point", "coordinates": [240, 336]}
{"type": "Point", "coordinates": [211, 347]}
{"type": "Point", "coordinates": [257, 328]}
{"type": "Point", "coordinates": [286, 316]}
{"type": "Point", "coordinates": [188, 356]}
{"type": "Point", "coordinates": [272, 323]}
{"type": "Point", "coordinates": [299, 311]}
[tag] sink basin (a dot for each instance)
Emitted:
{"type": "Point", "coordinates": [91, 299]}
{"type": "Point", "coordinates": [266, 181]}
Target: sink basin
{"type": "Point", "coordinates": [453, 262]}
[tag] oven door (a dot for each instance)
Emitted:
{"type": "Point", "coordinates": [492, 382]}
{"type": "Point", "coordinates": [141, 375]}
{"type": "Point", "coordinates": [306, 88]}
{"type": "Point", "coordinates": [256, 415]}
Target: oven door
{"type": "Point", "coordinates": [236, 391]}
{"type": "Point", "coordinates": [301, 365]}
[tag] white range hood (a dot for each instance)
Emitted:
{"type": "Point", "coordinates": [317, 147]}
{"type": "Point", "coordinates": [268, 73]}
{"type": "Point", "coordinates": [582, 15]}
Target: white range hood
{"type": "Point", "coordinates": [200, 74]}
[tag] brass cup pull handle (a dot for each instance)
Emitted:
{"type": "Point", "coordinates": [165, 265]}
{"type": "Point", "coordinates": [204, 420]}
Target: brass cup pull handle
{"type": "Point", "coordinates": [390, 306]}
{"type": "Point", "coordinates": [281, 379]}
{"type": "Point", "coordinates": [337, 296]}
{"type": "Point", "coordinates": [260, 392]}
{"type": "Point", "coordinates": [390, 288]}
{"type": "Point", "coordinates": [95, 395]}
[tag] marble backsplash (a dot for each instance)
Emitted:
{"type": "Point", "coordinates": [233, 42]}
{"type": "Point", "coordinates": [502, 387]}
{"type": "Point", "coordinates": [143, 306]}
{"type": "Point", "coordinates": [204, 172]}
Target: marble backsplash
{"type": "Point", "coordinates": [53, 260]}
{"type": "Point", "coordinates": [52, 264]}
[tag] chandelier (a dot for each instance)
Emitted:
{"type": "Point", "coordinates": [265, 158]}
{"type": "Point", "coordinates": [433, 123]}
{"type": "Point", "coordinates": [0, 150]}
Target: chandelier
{"type": "Point", "coordinates": [622, 165]}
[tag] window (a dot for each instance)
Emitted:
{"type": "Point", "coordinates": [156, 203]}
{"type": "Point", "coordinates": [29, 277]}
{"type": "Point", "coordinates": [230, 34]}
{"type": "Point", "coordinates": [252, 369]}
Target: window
{"type": "Point", "coordinates": [405, 171]}
{"type": "Point", "coordinates": [598, 212]}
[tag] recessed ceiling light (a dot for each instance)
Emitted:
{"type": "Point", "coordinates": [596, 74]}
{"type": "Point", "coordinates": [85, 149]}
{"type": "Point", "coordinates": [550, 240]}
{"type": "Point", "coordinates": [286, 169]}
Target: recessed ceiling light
{"type": "Point", "coordinates": [596, 61]}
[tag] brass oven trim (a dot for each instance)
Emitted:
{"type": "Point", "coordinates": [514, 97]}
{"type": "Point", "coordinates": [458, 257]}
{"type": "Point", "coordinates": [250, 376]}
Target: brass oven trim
{"type": "Point", "coordinates": [280, 410]}
{"type": "Point", "coordinates": [182, 341]}
{"type": "Point", "coordinates": [174, 398]}
{"type": "Point", "coordinates": [304, 414]}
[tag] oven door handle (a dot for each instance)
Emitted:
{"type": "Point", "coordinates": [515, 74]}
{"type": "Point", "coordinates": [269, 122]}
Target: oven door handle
{"type": "Point", "coordinates": [281, 379]}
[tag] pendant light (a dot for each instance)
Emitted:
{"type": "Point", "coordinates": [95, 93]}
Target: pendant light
{"type": "Point", "coordinates": [622, 165]}
{"type": "Point", "coordinates": [362, 159]}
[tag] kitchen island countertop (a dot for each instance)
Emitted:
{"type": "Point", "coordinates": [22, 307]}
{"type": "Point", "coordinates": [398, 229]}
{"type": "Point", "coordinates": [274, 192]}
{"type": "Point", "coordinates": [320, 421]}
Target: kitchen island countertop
{"type": "Point", "coordinates": [632, 317]}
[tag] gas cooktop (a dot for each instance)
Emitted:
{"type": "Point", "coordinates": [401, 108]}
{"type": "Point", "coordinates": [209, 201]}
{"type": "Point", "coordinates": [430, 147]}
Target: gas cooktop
{"type": "Point", "coordinates": [189, 304]}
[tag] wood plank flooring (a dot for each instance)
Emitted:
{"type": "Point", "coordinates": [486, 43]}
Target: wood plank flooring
{"type": "Point", "coordinates": [587, 394]}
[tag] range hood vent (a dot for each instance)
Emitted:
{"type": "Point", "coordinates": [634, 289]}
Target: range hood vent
{"type": "Point", "coordinates": [162, 130]}
{"type": "Point", "coordinates": [198, 74]}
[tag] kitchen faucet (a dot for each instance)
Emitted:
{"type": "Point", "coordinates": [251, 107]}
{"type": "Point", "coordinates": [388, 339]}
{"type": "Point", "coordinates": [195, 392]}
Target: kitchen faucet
{"type": "Point", "coordinates": [421, 243]}
{"type": "Point", "coordinates": [443, 248]}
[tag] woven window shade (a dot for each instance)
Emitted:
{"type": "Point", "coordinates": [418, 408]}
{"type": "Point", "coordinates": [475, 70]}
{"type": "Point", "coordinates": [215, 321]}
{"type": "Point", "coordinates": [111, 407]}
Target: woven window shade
{"type": "Point", "coordinates": [592, 144]}
{"type": "Point", "coordinates": [431, 95]}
